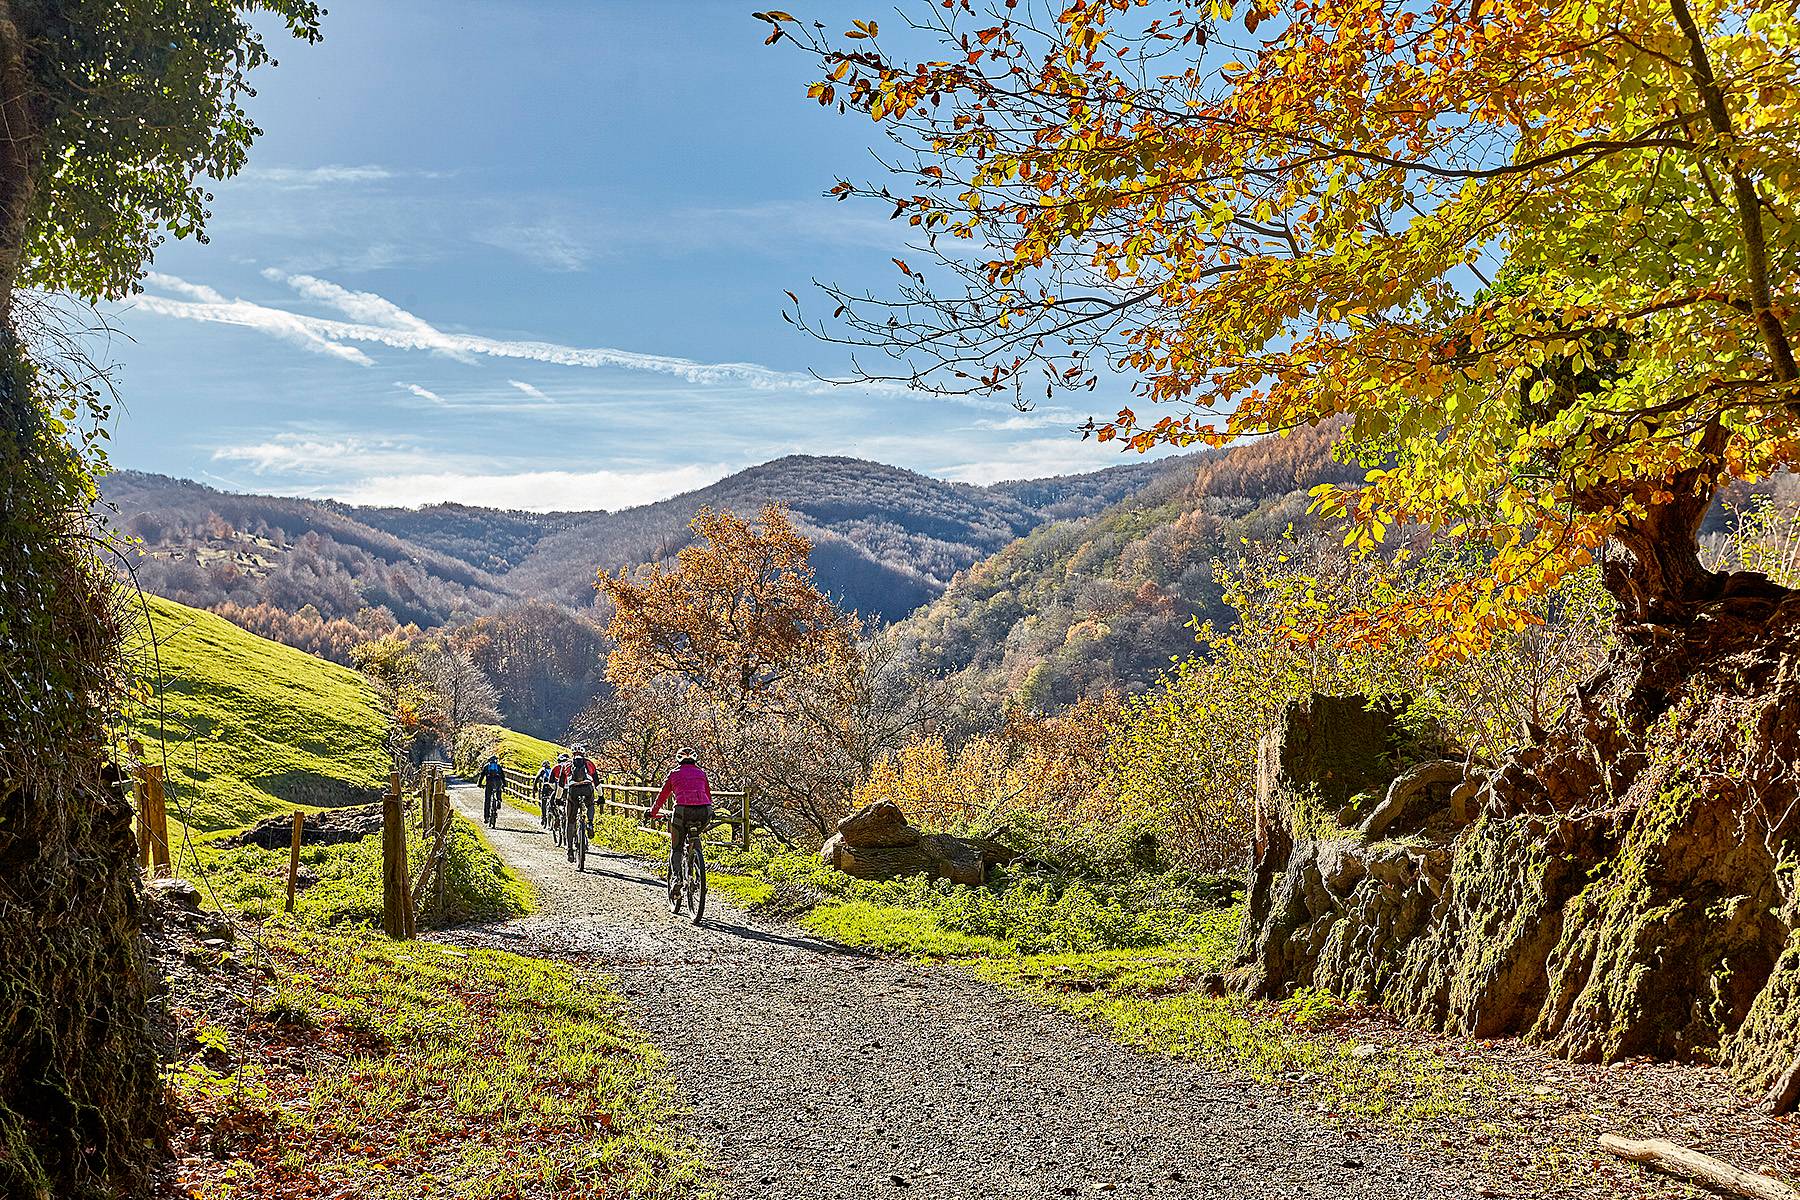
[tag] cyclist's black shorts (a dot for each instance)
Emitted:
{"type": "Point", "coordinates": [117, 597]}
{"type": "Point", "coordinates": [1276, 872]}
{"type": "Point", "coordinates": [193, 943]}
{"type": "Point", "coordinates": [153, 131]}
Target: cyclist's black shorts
{"type": "Point", "coordinates": [689, 818]}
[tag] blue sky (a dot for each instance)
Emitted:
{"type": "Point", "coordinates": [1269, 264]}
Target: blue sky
{"type": "Point", "coordinates": [532, 255]}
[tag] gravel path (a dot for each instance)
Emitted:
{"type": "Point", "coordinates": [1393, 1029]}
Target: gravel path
{"type": "Point", "coordinates": [811, 1071]}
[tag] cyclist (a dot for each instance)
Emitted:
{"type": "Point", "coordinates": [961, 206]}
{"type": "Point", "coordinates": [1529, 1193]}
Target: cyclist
{"type": "Point", "coordinates": [691, 793]}
{"type": "Point", "coordinates": [545, 786]}
{"type": "Point", "coordinates": [558, 822]}
{"type": "Point", "coordinates": [578, 777]}
{"type": "Point", "coordinates": [493, 785]}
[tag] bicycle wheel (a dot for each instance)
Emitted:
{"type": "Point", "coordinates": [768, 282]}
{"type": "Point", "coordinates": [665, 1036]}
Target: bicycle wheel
{"type": "Point", "coordinates": [581, 843]}
{"type": "Point", "coordinates": [556, 825]}
{"type": "Point", "coordinates": [696, 876]}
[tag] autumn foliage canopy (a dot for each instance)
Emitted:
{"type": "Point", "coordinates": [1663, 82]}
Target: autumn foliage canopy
{"type": "Point", "coordinates": [1544, 256]}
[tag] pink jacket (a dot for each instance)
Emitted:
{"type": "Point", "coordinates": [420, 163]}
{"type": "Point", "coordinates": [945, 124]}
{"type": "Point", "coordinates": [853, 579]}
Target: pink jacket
{"type": "Point", "coordinates": [687, 784]}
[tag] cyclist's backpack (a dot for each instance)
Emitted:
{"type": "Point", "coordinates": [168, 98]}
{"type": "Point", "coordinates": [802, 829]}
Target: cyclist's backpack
{"type": "Point", "coordinates": [578, 771]}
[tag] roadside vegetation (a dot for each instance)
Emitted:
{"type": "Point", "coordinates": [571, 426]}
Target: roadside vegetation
{"type": "Point", "coordinates": [379, 1069]}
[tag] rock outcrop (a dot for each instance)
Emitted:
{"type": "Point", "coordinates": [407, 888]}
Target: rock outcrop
{"type": "Point", "coordinates": [1616, 889]}
{"type": "Point", "coordinates": [876, 842]}
{"type": "Point", "coordinates": [1354, 824]}
{"type": "Point", "coordinates": [328, 828]}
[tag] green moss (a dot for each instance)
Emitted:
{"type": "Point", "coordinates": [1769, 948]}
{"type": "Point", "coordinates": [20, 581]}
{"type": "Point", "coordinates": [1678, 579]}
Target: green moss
{"type": "Point", "coordinates": [1150, 1000]}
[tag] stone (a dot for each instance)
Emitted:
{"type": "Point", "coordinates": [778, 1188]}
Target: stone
{"type": "Point", "coordinates": [175, 893]}
{"type": "Point", "coordinates": [877, 842]}
{"type": "Point", "coordinates": [330, 827]}
{"type": "Point", "coordinates": [879, 824]}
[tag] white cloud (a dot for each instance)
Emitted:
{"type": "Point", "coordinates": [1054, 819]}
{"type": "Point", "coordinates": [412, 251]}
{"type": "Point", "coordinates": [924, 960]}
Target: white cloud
{"type": "Point", "coordinates": [303, 332]}
{"type": "Point", "coordinates": [1037, 418]}
{"type": "Point", "coordinates": [536, 491]}
{"type": "Point", "coordinates": [422, 393]}
{"type": "Point", "coordinates": [308, 454]}
{"type": "Point", "coordinates": [386, 324]}
{"type": "Point", "coordinates": [327, 176]}
{"type": "Point", "coordinates": [549, 244]}
{"type": "Point", "coordinates": [1037, 458]}
{"type": "Point", "coordinates": [181, 287]}
{"type": "Point", "coordinates": [534, 393]}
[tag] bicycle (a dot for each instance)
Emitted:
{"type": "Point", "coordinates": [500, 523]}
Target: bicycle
{"type": "Point", "coordinates": [490, 808]}
{"type": "Point", "coordinates": [688, 874]}
{"type": "Point", "coordinates": [580, 831]}
{"type": "Point", "coordinates": [557, 831]}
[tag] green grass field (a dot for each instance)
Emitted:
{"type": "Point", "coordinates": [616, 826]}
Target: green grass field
{"type": "Point", "coordinates": [256, 728]}
{"type": "Point", "coordinates": [249, 727]}
{"type": "Point", "coordinates": [520, 751]}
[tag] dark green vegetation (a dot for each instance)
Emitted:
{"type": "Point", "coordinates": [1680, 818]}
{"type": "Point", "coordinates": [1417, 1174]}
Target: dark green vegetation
{"type": "Point", "coordinates": [357, 1073]}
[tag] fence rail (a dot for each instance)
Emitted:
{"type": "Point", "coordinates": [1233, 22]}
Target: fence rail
{"type": "Point", "coordinates": [614, 796]}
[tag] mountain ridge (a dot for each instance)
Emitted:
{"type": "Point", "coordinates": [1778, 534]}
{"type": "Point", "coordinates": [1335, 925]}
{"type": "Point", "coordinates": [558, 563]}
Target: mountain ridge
{"type": "Point", "coordinates": [886, 539]}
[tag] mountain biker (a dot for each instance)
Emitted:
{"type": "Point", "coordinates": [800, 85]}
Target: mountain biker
{"type": "Point", "coordinates": [493, 785]}
{"type": "Point", "coordinates": [578, 777]}
{"type": "Point", "coordinates": [545, 786]}
{"type": "Point", "coordinates": [691, 793]}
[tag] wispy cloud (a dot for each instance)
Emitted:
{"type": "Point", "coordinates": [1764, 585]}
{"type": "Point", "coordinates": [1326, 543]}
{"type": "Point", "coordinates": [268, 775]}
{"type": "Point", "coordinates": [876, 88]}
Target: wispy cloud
{"type": "Point", "coordinates": [334, 175]}
{"type": "Point", "coordinates": [207, 305]}
{"type": "Point", "coordinates": [423, 393]}
{"type": "Point", "coordinates": [550, 243]}
{"type": "Point", "coordinates": [533, 392]}
{"type": "Point", "coordinates": [1037, 418]}
{"type": "Point", "coordinates": [1036, 458]}
{"type": "Point", "coordinates": [535, 491]}
{"type": "Point", "coordinates": [382, 323]}
{"type": "Point", "coordinates": [397, 471]}
{"type": "Point", "coordinates": [321, 455]}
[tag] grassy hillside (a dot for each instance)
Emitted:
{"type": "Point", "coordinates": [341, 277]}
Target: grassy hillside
{"type": "Point", "coordinates": [251, 726]}
{"type": "Point", "coordinates": [520, 751]}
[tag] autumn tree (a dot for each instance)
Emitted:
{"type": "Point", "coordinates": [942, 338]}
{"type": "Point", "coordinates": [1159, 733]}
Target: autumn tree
{"type": "Point", "coordinates": [113, 110]}
{"type": "Point", "coordinates": [1544, 259]}
{"type": "Point", "coordinates": [760, 655]}
{"type": "Point", "coordinates": [737, 617]}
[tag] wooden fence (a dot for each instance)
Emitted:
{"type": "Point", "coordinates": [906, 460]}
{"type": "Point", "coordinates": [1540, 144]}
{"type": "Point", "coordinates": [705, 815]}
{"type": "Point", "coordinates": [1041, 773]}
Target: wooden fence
{"type": "Point", "coordinates": [730, 808]}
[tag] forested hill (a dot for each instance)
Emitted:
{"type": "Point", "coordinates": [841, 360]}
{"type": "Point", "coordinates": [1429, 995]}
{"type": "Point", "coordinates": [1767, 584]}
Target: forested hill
{"type": "Point", "coordinates": [887, 539]}
{"type": "Point", "coordinates": [1083, 606]}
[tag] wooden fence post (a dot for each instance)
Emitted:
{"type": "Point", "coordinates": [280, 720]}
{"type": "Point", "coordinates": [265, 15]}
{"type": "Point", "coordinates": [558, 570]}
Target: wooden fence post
{"type": "Point", "coordinates": [744, 829]}
{"type": "Point", "coordinates": [155, 817]}
{"type": "Point", "coordinates": [294, 857]}
{"type": "Point", "coordinates": [140, 787]}
{"type": "Point", "coordinates": [396, 889]}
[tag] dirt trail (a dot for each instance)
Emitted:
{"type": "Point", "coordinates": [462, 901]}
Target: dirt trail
{"type": "Point", "coordinates": [815, 1072]}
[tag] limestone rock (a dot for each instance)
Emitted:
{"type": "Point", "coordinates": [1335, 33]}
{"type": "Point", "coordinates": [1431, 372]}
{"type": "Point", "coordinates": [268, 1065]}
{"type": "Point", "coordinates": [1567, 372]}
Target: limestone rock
{"type": "Point", "coordinates": [878, 824]}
